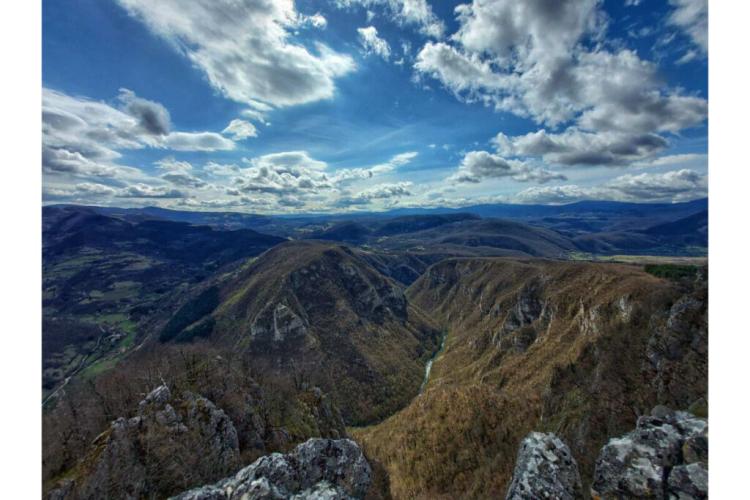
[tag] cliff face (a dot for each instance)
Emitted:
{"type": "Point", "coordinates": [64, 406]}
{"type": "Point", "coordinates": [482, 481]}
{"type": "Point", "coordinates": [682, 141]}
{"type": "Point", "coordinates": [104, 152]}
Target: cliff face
{"type": "Point", "coordinates": [578, 349]}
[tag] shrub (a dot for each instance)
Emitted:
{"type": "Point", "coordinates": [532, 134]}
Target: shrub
{"type": "Point", "coordinates": [671, 271]}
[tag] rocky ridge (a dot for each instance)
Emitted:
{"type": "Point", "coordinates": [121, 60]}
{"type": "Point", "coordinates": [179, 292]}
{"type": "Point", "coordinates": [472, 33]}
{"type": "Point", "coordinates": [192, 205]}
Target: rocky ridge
{"type": "Point", "coordinates": [666, 456]}
{"type": "Point", "coordinates": [545, 468]}
{"type": "Point", "coordinates": [307, 304]}
{"type": "Point", "coordinates": [318, 468]}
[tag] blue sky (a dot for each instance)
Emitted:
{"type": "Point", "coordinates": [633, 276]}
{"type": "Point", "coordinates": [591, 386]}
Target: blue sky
{"type": "Point", "coordinates": [336, 105]}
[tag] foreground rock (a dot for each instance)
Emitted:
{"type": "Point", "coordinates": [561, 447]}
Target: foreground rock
{"type": "Point", "coordinates": [318, 468]}
{"type": "Point", "coordinates": [154, 452]}
{"type": "Point", "coordinates": [545, 468]}
{"type": "Point", "coordinates": [666, 456]}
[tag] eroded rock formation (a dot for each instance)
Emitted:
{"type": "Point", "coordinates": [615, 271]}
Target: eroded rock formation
{"type": "Point", "coordinates": [545, 468]}
{"type": "Point", "coordinates": [319, 468]}
{"type": "Point", "coordinates": [666, 456]}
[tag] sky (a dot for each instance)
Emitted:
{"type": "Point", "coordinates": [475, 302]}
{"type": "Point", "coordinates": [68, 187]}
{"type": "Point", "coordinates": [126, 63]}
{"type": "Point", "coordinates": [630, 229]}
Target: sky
{"type": "Point", "coordinates": [276, 106]}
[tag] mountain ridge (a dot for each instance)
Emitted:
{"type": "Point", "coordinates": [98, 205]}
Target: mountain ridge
{"type": "Point", "coordinates": [479, 209]}
{"type": "Point", "coordinates": [308, 304]}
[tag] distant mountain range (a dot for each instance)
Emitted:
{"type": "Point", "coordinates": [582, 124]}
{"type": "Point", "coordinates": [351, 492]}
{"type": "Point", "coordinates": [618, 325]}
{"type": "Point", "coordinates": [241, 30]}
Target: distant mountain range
{"type": "Point", "coordinates": [504, 210]}
{"type": "Point", "coordinates": [594, 226]}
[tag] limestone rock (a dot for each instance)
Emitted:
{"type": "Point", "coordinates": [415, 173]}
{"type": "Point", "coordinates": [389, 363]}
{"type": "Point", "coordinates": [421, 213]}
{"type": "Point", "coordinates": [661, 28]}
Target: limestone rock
{"type": "Point", "coordinates": [688, 482]}
{"type": "Point", "coordinates": [318, 468]}
{"type": "Point", "coordinates": [695, 448]}
{"type": "Point", "coordinates": [277, 323]}
{"type": "Point", "coordinates": [525, 321]}
{"type": "Point", "coordinates": [651, 462]}
{"type": "Point", "coordinates": [545, 468]}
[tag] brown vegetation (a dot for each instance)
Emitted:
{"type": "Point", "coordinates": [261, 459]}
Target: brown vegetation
{"type": "Point", "coordinates": [580, 349]}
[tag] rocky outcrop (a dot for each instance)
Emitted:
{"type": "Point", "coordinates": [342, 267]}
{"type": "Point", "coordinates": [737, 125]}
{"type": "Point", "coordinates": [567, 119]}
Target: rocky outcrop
{"type": "Point", "coordinates": [318, 468]}
{"type": "Point", "coordinates": [278, 323]}
{"type": "Point", "coordinates": [545, 468]}
{"type": "Point", "coordinates": [171, 443]}
{"type": "Point", "coordinates": [526, 320]}
{"type": "Point", "coordinates": [666, 456]}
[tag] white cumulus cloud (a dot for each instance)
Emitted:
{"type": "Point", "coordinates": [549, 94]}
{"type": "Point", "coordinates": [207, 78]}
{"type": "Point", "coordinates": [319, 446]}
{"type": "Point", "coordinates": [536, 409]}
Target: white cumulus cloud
{"type": "Point", "coordinates": [244, 47]}
{"type": "Point", "coordinates": [240, 129]}
{"type": "Point", "coordinates": [372, 43]}
{"type": "Point", "coordinates": [479, 165]}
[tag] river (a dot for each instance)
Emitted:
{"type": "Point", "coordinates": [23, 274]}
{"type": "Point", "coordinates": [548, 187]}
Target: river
{"type": "Point", "coordinates": [428, 366]}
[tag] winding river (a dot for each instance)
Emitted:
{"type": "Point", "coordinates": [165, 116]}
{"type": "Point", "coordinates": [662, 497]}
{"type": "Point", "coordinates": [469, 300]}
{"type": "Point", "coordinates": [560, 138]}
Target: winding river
{"type": "Point", "coordinates": [428, 366]}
